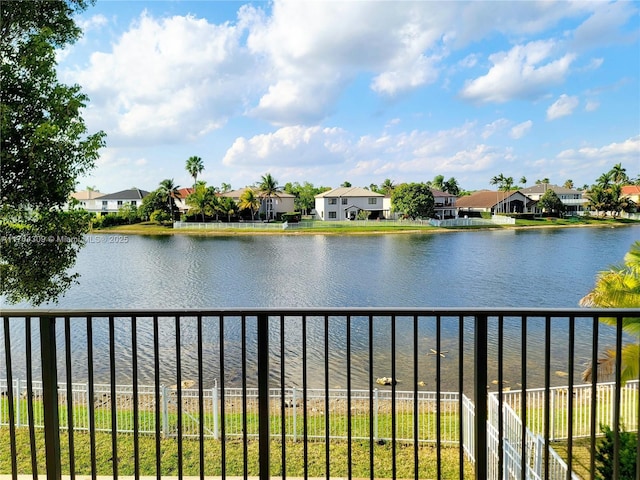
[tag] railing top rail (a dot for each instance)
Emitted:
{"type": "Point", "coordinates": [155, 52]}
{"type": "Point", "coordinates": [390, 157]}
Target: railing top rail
{"type": "Point", "coordinates": [328, 311]}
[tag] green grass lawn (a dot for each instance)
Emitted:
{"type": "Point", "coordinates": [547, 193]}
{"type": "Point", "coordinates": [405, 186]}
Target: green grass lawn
{"type": "Point", "coordinates": [234, 457]}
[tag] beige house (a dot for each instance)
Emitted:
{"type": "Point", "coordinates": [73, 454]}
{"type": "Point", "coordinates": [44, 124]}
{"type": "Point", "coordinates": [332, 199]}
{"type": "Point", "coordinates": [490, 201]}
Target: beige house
{"type": "Point", "coordinates": [276, 205]}
{"type": "Point", "coordinates": [495, 202]}
{"type": "Point", "coordinates": [444, 204]}
{"type": "Point", "coordinates": [572, 200]}
{"type": "Point", "coordinates": [87, 199]}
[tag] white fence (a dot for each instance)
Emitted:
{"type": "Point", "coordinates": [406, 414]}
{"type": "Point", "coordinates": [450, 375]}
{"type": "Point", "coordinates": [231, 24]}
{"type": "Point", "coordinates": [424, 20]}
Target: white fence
{"type": "Point", "coordinates": [474, 222]}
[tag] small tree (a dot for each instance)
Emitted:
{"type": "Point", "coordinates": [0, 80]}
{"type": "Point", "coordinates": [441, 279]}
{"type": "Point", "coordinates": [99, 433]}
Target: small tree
{"type": "Point", "coordinates": [551, 203]}
{"type": "Point", "coordinates": [414, 200]}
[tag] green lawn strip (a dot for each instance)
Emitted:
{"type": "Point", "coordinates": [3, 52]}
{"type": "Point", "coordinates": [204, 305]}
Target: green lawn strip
{"type": "Point", "coordinates": [234, 460]}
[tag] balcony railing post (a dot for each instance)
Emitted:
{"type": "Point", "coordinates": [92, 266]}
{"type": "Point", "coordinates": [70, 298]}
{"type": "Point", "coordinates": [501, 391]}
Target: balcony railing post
{"type": "Point", "coordinates": [216, 435]}
{"type": "Point", "coordinates": [263, 394]}
{"type": "Point", "coordinates": [50, 396]}
{"type": "Point", "coordinates": [16, 402]}
{"type": "Point", "coordinates": [480, 377]}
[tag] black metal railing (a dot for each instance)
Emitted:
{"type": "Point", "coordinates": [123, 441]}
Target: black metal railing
{"type": "Point", "coordinates": [456, 379]}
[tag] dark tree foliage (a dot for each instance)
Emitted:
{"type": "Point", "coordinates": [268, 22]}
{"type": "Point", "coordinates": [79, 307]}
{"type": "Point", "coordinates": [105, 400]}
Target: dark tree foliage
{"type": "Point", "coordinates": [414, 200]}
{"type": "Point", "coordinates": [604, 455]}
{"type": "Point", "coordinates": [45, 146]}
{"type": "Point", "coordinates": [551, 203]}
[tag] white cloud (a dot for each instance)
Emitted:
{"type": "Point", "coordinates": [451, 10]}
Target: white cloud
{"type": "Point", "coordinates": [565, 105]}
{"type": "Point", "coordinates": [289, 146]}
{"type": "Point", "coordinates": [524, 72]}
{"type": "Point", "coordinates": [604, 25]}
{"type": "Point", "coordinates": [520, 130]}
{"type": "Point", "coordinates": [591, 106]}
{"type": "Point", "coordinates": [626, 151]}
{"type": "Point", "coordinates": [495, 127]}
{"type": "Point", "coordinates": [166, 79]}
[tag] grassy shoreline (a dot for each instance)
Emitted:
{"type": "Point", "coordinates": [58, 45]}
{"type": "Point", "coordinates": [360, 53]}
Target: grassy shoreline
{"type": "Point", "coordinates": [147, 228]}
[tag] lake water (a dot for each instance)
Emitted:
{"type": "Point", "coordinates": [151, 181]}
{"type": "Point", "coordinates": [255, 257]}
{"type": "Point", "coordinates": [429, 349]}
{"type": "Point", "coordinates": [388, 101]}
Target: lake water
{"type": "Point", "coordinates": [493, 268]}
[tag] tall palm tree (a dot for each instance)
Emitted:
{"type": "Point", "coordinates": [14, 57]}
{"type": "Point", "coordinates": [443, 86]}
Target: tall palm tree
{"type": "Point", "coordinates": [195, 167]}
{"type": "Point", "coordinates": [451, 186]}
{"type": "Point", "coordinates": [268, 189]}
{"type": "Point", "coordinates": [169, 191]}
{"type": "Point", "coordinates": [507, 183]}
{"type": "Point", "coordinates": [523, 180]}
{"type": "Point", "coordinates": [618, 174]}
{"type": "Point", "coordinates": [249, 200]}
{"type": "Point", "coordinates": [619, 287]}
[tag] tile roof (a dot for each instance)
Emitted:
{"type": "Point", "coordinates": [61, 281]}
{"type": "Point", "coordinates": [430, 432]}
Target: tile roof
{"type": "Point", "coordinates": [543, 187]}
{"type": "Point", "coordinates": [483, 199]}
{"type": "Point", "coordinates": [129, 194]}
{"type": "Point", "coordinates": [631, 190]}
{"type": "Point", "coordinates": [87, 195]}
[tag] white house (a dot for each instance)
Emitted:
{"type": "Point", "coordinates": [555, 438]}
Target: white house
{"type": "Point", "coordinates": [112, 202]}
{"type": "Point", "coordinates": [345, 203]}
{"type": "Point", "coordinates": [572, 200]}
{"type": "Point", "coordinates": [444, 204]}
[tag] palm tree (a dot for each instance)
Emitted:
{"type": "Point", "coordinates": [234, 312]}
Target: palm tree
{"type": "Point", "coordinates": [201, 201]}
{"type": "Point", "coordinates": [249, 200]}
{"type": "Point", "coordinates": [507, 183]}
{"type": "Point", "coordinates": [568, 184]}
{"type": "Point", "coordinates": [194, 167]}
{"type": "Point", "coordinates": [268, 189]}
{"type": "Point", "coordinates": [497, 180]}
{"type": "Point", "coordinates": [438, 182]}
{"type": "Point", "coordinates": [618, 174]}
{"type": "Point", "coordinates": [387, 186]}
{"type": "Point", "coordinates": [523, 180]}
{"type": "Point", "coordinates": [451, 186]}
{"type": "Point", "coordinates": [169, 191]}
{"type": "Point", "coordinates": [619, 287]}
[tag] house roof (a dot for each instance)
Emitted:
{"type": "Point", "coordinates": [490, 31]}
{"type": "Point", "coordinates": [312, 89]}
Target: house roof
{"type": "Point", "coordinates": [543, 187]}
{"type": "Point", "coordinates": [87, 195]}
{"type": "Point", "coordinates": [185, 192]}
{"type": "Point", "coordinates": [130, 194]}
{"type": "Point", "coordinates": [349, 192]}
{"type": "Point", "coordinates": [483, 199]}
{"type": "Point", "coordinates": [439, 193]}
{"type": "Point", "coordinates": [631, 190]}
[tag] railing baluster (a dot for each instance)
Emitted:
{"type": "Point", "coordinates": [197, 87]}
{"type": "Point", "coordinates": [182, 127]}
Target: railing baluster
{"type": "Point", "coordinates": [263, 394]}
{"type": "Point", "coordinates": [305, 447]}
{"type": "Point", "coordinates": [136, 413]}
{"type": "Point", "coordinates": [548, 410]}
{"type": "Point", "coordinates": [50, 396]}
{"type": "Point", "coordinates": [500, 396]}
{"type": "Point", "coordinates": [91, 397]}
{"type": "Point", "coordinates": [480, 388]}
{"type": "Point", "coordinates": [570, 392]}
{"type": "Point", "coordinates": [32, 433]}
{"type": "Point", "coordinates": [616, 403]}
{"type": "Point", "coordinates": [394, 466]}
{"type": "Point", "coordinates": [416, 405]}
{"type": "Point", "coordinates": [372, 413]}
{"type": "Point", "coordinates": [438, 395]}
{"type": "Point", "coordinates": [243, 366]}
{"type": "Point", "coordinates": [178, 320]}
{"type": "Point", "coordinates": [114, 405]}
{"type": "Point", "coordinates": [461, 423]}
{"type": "Point", "coordinates": [70, 401]}
{"type": "Point", "coordinates": [349, 440]}
{"type": "Point", "coordinates": [283, 416]}
{"type": "Point", "coordinates": [201, 416]}
{"type": "Point", "coordinates": [327, 415]}
{"type": "Point", "coordinates": [523, 398]}
{"type": "Point", "coordinates": [156, 372]}
{"type": "Point", "coordinates": [223, 420]}
{"type": "Point", "coordinates": [10, 404]}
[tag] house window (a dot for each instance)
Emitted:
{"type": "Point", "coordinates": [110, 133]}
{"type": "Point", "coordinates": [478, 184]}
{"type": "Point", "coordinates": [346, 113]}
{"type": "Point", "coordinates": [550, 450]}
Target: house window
{"type": "Point", "coordinates": [133, 203]}
{"type": "Point", "coordinates": [119, 203]}
{"type": "Point", "coordinates": [373, 201]}
{"type": "Point", "coordinates": [333, 201]}
{"type": "Point", "coordinates": [344, 201]}
{"type": "Point", "coordinates": [104, 204]}
{"type": "Point", "coordinates": [332, 215]}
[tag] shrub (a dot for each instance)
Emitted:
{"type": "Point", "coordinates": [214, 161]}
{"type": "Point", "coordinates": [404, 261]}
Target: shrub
{"type": "Point", "coordinates": [604, 455]}
{"type": "Point", "coordinates": [159, 216]}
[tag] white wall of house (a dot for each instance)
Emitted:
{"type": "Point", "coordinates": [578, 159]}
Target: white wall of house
{"type": "Point", "coordinates": [333, 208]}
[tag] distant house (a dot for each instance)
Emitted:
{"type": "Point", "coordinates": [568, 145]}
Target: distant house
{"type": "Point", "coordinates": [513, 201]}
{"type": "Point", "coordinates": [444, 204]}
{"type": "Point", "coordinates": [632, 192]}
{"type": "Point", "coordinates": [345, 203]}
{"type": "Point", "coordinates": [89, 200]}
{"type": "Point", "coordinates": [180, 201]}
{"type": "Point", "coordinates": [277, 205]}
{"type": "Point", "coordinates": [112, 202]}
{"type": "Point", "coordinates": [572, 200]}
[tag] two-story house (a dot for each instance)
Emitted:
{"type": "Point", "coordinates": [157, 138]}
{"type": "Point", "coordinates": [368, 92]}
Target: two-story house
{"type": "Point", "coordinates": [444, 204]}
{"type": "Point", "coordinates": [112, 202]}
{"type": "Point", "coordinates": [571, 199]}
{"type": "Point", "coordinates": [89, 200]}
{"type": "Point", "coordinates": [346, 203]}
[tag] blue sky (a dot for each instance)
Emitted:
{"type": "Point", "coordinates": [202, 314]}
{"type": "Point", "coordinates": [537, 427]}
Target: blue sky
{"type": "Point", "coordinates": [359, 91]}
